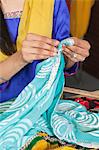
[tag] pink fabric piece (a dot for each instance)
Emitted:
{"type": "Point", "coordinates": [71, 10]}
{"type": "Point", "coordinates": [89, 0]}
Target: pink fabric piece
{"type": "Point", "coordinates": [10, 6]}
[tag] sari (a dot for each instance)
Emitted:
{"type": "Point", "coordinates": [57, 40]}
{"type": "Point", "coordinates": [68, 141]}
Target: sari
{"type": "Point", "coordinates": [39, 108]}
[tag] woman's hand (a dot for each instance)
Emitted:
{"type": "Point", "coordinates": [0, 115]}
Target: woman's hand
{"type": "Point", "coordinates": [37, 47]}
{"type": "Point", "coordinates": [76, 53]}
{"type": "Point", "coordinates": [34, 47]}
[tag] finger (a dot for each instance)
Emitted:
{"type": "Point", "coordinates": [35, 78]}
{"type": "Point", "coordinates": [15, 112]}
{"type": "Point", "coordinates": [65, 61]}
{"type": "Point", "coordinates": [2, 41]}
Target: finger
{"type": "Point", "coordinates": [36, 44]}
{"type": "Point", "coordinates": [35, 37]}
{"type": "Point", "coordinates": [81, 43]}
{"type": "Point", "coordinates": [39, 51]}
{"type": "Point", "coordinates": [77, 59]}
{"type": "Point", "coordinates": [69, 57]}
{"type": "Point", "coordinates": [33, 57]}
{"type": "Point", "coordinates": [78, 50]}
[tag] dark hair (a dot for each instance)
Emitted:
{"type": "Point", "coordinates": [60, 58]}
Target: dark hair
{"type": "Point", "coordinates": [6, 45]}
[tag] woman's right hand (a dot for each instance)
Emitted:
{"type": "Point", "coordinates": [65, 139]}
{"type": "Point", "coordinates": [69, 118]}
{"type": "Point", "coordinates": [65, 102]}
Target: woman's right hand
{"type": "Point", "coordinates": [36, 47]}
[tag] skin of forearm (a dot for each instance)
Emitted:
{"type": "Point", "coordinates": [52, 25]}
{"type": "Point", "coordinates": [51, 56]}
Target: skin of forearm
{"type": "Point", "coordinates": [11, 66]}
{"type": "Point", "coordinates": [69, 64]}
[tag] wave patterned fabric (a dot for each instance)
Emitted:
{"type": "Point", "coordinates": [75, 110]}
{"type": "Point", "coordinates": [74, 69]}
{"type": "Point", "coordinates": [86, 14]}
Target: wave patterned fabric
{"type": "Point", "coordinates": [39, 108]}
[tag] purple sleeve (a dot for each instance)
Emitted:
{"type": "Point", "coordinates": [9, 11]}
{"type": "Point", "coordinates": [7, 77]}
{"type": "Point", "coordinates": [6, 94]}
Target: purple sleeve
{"type": "Point", "coordinates": [61, 28]}
{"type": "Point", "coordinates": [71, 71]}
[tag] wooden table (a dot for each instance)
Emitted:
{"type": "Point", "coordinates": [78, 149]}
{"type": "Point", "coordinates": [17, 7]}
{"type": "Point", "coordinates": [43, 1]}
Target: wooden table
{"type": "Point", "coordinates": [79, 92]}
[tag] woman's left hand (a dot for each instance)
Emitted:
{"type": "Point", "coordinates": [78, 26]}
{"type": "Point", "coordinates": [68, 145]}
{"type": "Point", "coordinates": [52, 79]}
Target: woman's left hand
{"type": "Point", "coordinates": [76, 53]}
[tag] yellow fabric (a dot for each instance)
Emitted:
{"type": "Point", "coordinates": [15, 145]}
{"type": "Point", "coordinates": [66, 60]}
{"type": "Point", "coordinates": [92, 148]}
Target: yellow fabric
{"type": "Point", "coordinates": [80, 14]}
{"type": "Point", "coordinates": [65, 148]}
{"type": "Point", "coordinates": [44, 145]}
{"type": "Point", "coordinates": [37, 17]}
{"type": "Point", "coordinates": [41, 145]}
{"type": "Point", "coordinates": [2, 56]}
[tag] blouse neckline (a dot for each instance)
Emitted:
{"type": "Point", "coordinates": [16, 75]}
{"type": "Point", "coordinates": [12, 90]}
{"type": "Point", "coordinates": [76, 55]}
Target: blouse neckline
{"type": "Point", "coordinates": [12, 8]}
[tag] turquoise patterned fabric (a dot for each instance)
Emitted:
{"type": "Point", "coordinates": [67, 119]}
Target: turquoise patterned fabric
{"type": "Point", "coordinates": [39, 108]}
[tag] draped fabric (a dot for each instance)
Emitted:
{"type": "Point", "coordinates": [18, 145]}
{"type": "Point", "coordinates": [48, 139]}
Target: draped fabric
{"type": "Point", "coordinates": [80, 12]}
{"type": "Point", "coordinates": [38, 107]}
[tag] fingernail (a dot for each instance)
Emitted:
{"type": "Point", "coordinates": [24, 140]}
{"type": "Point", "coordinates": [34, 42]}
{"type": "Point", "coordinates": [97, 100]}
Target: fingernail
{"type": "Point", "coordinates": [63, 46]}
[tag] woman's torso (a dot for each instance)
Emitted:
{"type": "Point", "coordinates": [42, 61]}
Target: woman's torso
{"type": "Point", "coordinates": [12, 13]}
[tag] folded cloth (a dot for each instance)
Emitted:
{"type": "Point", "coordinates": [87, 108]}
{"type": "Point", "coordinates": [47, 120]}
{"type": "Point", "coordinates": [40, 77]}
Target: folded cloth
{"type": "Point", "coordinates": [38, 107]}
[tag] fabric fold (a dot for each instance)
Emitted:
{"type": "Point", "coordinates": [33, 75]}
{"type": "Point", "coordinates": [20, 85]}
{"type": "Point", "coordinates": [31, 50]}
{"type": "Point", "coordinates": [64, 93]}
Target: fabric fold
{"type": "Point", "coordinates": [38, 107]}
